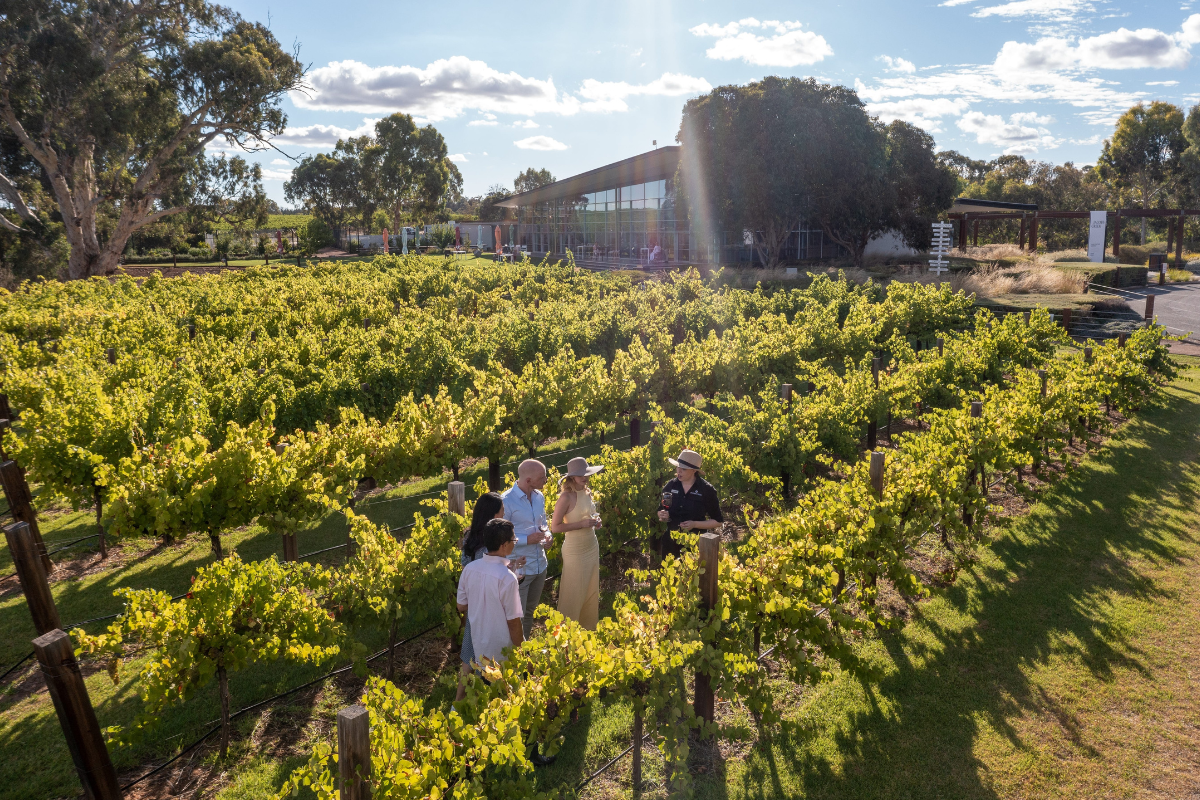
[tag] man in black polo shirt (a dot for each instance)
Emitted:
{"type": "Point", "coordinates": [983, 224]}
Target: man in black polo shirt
{"type": "Point", "coordinates": [690, 503]}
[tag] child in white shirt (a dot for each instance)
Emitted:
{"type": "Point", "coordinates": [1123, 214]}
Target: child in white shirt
{"type": "Point", "coordinates": [489, 594]}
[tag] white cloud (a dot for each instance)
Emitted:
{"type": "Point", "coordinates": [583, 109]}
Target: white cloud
{"type": "Point", "coordinates": [1054, 10]}
{"type": "Point", "coordinates": [924, 112]}
{"type": "Point", "coordinates": [1046, 55]}
{"type": "Point", "coordinates": [1190, 32]}
{"type": "Point", "coordinates": [281, 162]}
{"type": "Point", "coordinates": [957, 2]}
{"type": "Point", "coordinates": [611, 95]}
{"type": "Point", "coordinates": [321, 136]}
{"type": "Point", "coordinates": [788, 47]}
{"type": "Point", "coordinates": [525, 123]}
{"type": "Point", "coordinates": [1020, 135]}
{"type": "Point", "coordinates": [898, 64]}
{"type": "Point", "coordinates": [1126, 49]}
{"type": "Point", "coordinates": [443, 89]}
{"type": "Point", "coordinates": [539, 143]}
{"type": "Point", "coordinates": [482, 123]}
{"type": "Point", "coordinates": [457, 158]}
{"type": "Point", "coordinates": [1162, 83]}
{"type": "Point", "coordinates": [277, 174]}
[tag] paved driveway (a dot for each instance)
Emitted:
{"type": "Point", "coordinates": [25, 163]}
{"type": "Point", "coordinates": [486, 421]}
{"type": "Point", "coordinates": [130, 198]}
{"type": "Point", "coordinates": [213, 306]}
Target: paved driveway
{"type": "Point", "coordinates": [1177, 307]}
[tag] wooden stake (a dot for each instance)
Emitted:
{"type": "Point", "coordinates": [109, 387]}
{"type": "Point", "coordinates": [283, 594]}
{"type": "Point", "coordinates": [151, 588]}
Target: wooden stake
{"type": "Point", "coordinates": [76, 716]}
{"type": "Point", "coordinates": [32, 576]}
{"type": "Point", "coordinates": [1042, 374]}
{"type": "Point", "coordinates": [1149, 307]}
{"type": "Point", "coordinates": [354, 753]}
{"type": "Point", "coordinates": [456, 498]}
{"type": "Point", "coordinates": [1087, 355]}
{"type": "Point", "coordinates": [941, 343]}
{"type": "Point", "coordinates": [20, 504]}
{"type": "Point", "coordinates": [875, 370]}
{"type": "Point", "coordinates": [638, 734]}
{"type": "Point", "coordinates": [111, 354]}
{"type": "Point", "coordinates": [1121, 339]}
{"type": "Point", "coordinates": [877, 464]}
{"type": "Point", "coordinates": [635, 431]}
{"type": "Point", "coordinates": [191, 332]}
{"type": "Point", "coordinates": [710, 558]}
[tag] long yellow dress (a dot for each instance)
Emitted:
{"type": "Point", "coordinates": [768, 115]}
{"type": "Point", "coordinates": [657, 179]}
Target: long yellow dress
{"type": "Point", "coordinates": [579, 586]}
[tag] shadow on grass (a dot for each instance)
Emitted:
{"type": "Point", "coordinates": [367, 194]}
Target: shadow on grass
{"type": "Point", "coordinates": [1045, 591]}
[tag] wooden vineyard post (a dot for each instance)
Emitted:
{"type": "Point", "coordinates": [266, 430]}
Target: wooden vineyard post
{"type": "Point", "coordinates": [76, 715]}
{"type": "Point", "coordinates": [878, 460]}
{"type": "Point", "coordinates": [100, 521]}
{"type": "Point", "coordinates": [191, 333]}
{"type": "Point", "coordinates": [354, 753]}
{"type": "Point", "coordinates": [33, 577]}
{"type": "Point", "coordinates": [290, 549]}
{"type": "Point", "coordinates": [1149, 307]}
{"type": "Point", "coordinates": [785, 394]}
{"type": "Point", "coordinates": [456, 498]}
{"type": "Point", "coordinates": [494, 474]}
{"type": "Point", "coordinates": [635, 431]}
{"type": "Point", "coordinates": [1121, 339]}
{"type": "Point", "coordinates": [941, 343]}
{"type": "Point", "coordinates": [1087, 355]}
{"type": "Point", "coordinates": [1027, 315]}
{"type": "Point", "coordinates": [1066, 320]}
{"type": "Point", "coordinates": [111, 355]}
{"type": "Point", "coordinates": [20, 503]}
{"type": "Point", "coordinates": [873, 423]}
{"type": "Point", "coordinates": [917, 413]}
{"type": "Point", "coordinates": [710, 559]}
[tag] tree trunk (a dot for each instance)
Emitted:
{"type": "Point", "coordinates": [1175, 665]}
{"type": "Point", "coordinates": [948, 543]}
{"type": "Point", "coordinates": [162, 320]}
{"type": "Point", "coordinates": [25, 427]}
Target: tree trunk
{"type": "Point", "coordinates": [215, 538]}
{"type": "Point", "coordinates": [223, 683]}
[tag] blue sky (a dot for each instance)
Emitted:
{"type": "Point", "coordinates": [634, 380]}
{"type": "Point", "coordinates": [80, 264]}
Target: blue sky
{"type": "Point", "coordinates": [572, 86]}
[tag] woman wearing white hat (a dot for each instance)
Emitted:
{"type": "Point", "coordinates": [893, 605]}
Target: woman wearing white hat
{"type": "Point", "coordinates": [690, 503]}
{"type": "Point", "coordinates": [575, 515]}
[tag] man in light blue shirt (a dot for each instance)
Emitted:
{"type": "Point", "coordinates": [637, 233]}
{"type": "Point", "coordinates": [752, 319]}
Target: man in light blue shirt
{"type": "Point", "coordinates": [525, 508]}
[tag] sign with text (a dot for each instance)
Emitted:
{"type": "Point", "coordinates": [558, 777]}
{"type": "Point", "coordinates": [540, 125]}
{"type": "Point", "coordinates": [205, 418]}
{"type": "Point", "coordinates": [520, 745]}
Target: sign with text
{"type": "Point", "coordinates": [1096, 237]}
{"type": "Point", "coordinates": [939, 247]}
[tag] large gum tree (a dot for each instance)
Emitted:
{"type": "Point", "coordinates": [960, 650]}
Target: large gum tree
{"type": "Point", "coordinates": [118, 101]}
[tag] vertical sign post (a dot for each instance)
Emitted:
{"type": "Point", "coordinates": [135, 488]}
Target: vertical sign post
{"type": "Point", "coordinates": [940, 246]}
{"type": "Point", "coordinates": [385, 241]}
{"type": "Point", "coordinates": [1096, 237]}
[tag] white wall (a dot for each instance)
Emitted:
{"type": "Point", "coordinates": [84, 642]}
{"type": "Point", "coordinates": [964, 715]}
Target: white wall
{"type": "Point", "coordinates": [888, 244]}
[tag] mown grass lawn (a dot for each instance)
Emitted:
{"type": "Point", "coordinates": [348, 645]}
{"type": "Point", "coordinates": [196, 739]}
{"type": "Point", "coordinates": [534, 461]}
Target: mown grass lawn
{"type": "Point", "coordinates": [1064, 663]}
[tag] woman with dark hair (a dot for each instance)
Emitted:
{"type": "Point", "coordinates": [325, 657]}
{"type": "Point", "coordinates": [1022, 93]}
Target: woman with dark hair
{"type": "Point", "coordinates": [488, 507]}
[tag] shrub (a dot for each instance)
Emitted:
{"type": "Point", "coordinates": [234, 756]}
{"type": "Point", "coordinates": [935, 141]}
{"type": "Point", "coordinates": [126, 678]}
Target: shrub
{"type": "Point", "coordinates": [313, 234]}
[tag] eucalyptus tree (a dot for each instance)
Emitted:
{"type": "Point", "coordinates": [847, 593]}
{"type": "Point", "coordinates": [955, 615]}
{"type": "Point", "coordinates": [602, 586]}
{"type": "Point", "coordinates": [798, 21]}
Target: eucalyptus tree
{"type": "Point", "coordinates": [410, 169]}
{"type": "Point", "coordinates": [118, 101]}
{"type": "Point", "coordinates": [1145, 152]}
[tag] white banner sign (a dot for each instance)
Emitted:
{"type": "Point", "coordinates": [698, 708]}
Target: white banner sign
{"type": "Point", "coordinates": [1096, 237]}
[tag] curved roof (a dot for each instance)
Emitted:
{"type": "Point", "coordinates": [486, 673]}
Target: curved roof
{"type": "Point", "coordinates": [652, 166]}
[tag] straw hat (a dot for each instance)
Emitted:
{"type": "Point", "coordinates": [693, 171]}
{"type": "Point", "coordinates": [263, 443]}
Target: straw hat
{"type": "Point", "coordinates": [688, 459]}
{"type": "Point", "coordinates": [578, 468]}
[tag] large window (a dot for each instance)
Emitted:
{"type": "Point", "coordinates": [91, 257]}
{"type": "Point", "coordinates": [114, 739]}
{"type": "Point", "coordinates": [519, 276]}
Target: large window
{"type": "Point", "coordinates": [624, 223]}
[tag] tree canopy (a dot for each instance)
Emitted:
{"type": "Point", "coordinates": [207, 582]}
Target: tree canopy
{"type": "Point", "coordinates": [771, 156]}
{"type": "Point", "coordinates": [531, 179]}
{"type": "Point", "coordinates": [117, 104]}
{"type": "Point", "coordinates": [1144, 155]}
{"type": "Point", "coordinates": [403, 170]}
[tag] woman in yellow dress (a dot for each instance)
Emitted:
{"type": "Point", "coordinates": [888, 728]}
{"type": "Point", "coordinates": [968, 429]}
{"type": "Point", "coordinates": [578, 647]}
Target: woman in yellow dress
{"type": "Point", "coordinates": [575, 515]}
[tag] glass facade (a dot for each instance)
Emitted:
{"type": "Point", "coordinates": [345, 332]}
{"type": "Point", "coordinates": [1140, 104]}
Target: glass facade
{"type": "Point", "coordinates": [624, 223]}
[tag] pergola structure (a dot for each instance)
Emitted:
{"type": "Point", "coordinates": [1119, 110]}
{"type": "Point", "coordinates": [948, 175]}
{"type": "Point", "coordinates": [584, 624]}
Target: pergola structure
{"type": "Point", "coordinates": [1029, 218]}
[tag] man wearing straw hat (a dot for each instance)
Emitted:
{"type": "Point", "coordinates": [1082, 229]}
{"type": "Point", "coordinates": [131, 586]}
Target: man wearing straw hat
{"type": "Point", "coordinates": [690, 503]}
